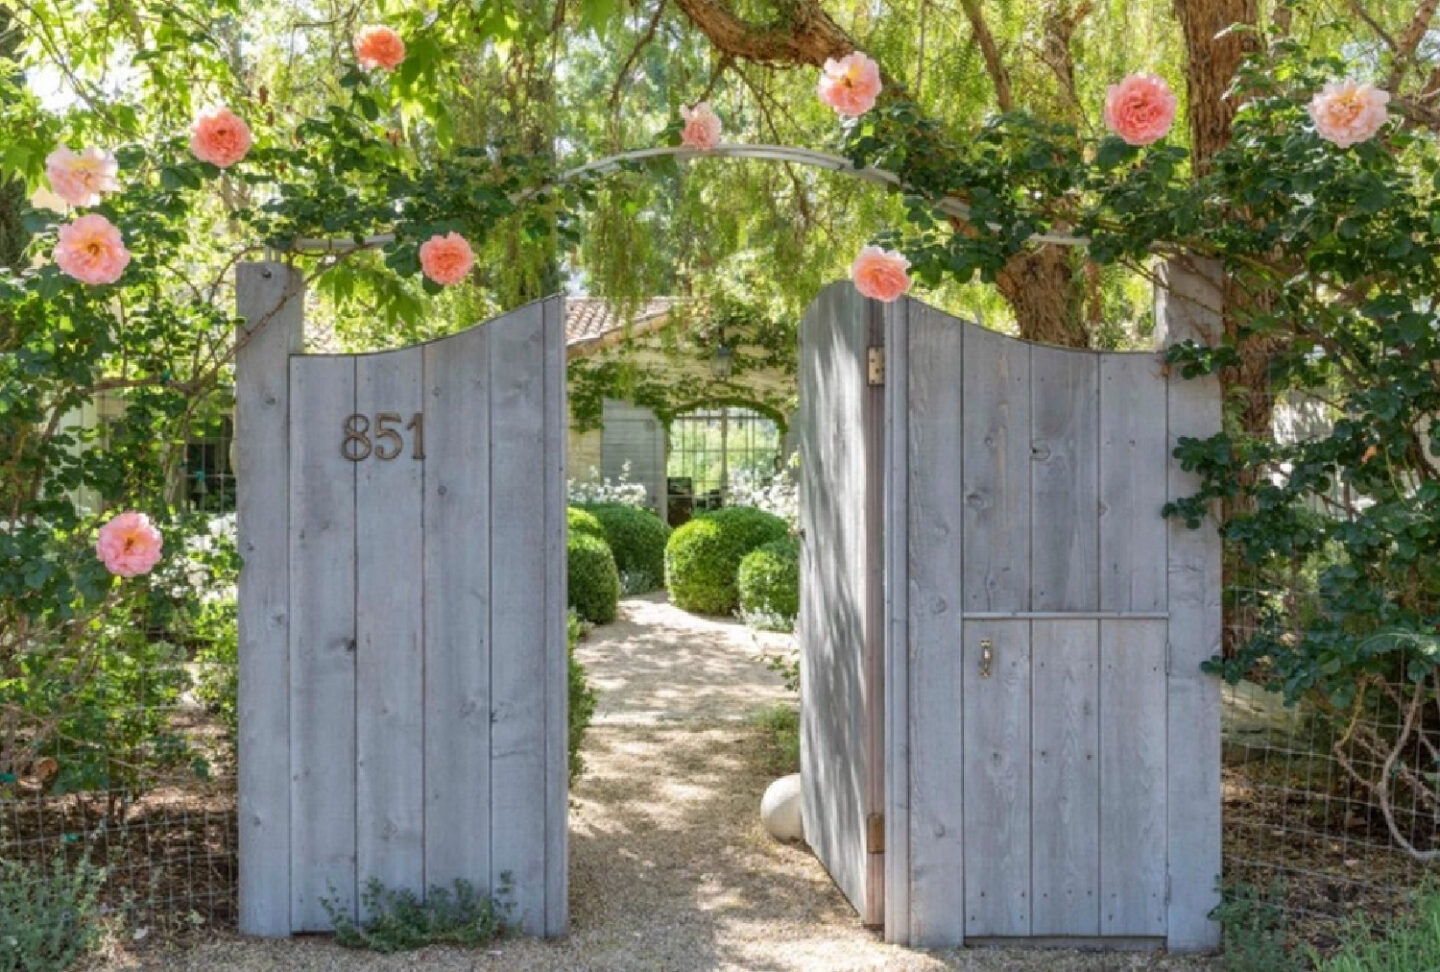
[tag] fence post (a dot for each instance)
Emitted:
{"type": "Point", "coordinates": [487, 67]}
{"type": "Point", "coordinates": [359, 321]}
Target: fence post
{"type": "Point", "coordinates": [270, 302]}
{"type": "Point", "coordinates": [1188, 305]}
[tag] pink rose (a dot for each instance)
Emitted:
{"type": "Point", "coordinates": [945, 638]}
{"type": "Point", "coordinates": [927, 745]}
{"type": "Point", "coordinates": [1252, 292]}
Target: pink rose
{"type": "Point", "coordinates": [1348, 112]}
{"type": "Point", "coordinates": [1140, 109]}
{"type": "Point", "coordinates": [881, 274]}
{"type": "Point", "coordinates": [80, 179]}
{"type": "Point", "coordinates": [379, 47]}
{"type": "Point", "coordinates": [129, 545]}
{"type": "Point", "coordinates": [446, 259]}
{"type": "Point", "coordinates": [220, 137]}
{"type": "Point", "coordinates": [702, 127]}
{"type": "Point", "coordinates": [850, 85]}
{"type": "Point", "coordinates": [91, 250]}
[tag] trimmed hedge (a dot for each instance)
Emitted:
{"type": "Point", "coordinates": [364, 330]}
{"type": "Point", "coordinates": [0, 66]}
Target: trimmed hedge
{"type": "Point", "coordinates": [637, 538]}
{"type": "Point", "coordinates": [703, 556]}
{"type": "Point", "coordinates": [769, 583]}
{"type": "Point", "coordinates": [594, 581]}
{"type": "Point", "coordinates": [582, 521]}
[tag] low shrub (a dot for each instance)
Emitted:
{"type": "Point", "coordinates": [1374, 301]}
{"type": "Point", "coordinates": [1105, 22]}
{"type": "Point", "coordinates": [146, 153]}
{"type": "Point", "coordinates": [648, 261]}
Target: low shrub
{"type": "Point", "coordinates": [583, 521]}
{"type": "Point", "coordinates": [703, 556]}
{"type": "Point", "coordinates": [594, 580]}
{"type": "Point", "coordinates": [637, 538]}
{"type": "Point", "coordinates": [582, 698]}
{"type": "Point", "coordinates": [769, 585]}
{"type": "Point", "coordinates": [401, 921]}
{"type": "Point", "coordinates": [49, 915]}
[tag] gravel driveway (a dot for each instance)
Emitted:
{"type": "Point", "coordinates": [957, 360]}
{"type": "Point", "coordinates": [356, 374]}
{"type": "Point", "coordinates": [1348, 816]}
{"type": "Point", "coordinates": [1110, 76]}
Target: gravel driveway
{"type": "Point", "coordinates": [670, 869]}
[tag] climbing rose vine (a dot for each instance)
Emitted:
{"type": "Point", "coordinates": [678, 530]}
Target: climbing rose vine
{"type": "Point", "coordinates": [1349, 112]}
{"type": "Point", "coordinates": [850, 85]}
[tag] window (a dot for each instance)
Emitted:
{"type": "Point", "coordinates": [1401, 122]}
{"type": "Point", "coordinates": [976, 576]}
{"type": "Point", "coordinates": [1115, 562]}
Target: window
{"type": "Point", "coordinates": [712, 448]}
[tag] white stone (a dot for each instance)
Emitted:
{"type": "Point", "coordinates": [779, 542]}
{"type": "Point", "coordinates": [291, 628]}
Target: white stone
{"type": "Point", "coordinates": [780, 809]}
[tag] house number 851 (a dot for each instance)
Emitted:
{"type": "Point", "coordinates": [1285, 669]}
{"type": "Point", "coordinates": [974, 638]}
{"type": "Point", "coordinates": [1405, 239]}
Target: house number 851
{"type": "Point", "coordinates": [388, 442]}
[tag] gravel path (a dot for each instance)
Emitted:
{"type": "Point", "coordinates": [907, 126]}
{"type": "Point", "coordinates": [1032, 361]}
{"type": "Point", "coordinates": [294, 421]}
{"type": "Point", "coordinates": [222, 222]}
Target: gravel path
{"type": "Point", "coordinates": [670, 869]}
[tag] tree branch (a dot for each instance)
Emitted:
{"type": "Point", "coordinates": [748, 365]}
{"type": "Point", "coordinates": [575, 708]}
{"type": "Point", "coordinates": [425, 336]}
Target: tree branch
{"type": "Point", "coordinates": [1410, 42]}
{"type": "Point", "coordinates": [808, 35]}
{"type": "Point", "coordinates": [999, 76]}
{"type": "Point", "coordinates": [640, 45]}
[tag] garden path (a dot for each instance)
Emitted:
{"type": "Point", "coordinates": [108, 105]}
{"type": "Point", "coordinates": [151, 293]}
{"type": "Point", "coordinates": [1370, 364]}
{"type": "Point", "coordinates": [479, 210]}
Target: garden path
{"type": "Point", "coordinates": [670, 868]}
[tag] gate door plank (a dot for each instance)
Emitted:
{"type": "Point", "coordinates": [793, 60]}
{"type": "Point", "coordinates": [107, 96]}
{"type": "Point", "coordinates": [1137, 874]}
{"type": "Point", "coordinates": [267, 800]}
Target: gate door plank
{"type": "Point", "coordinates": [937, 674]}
{"type": "Point", "coordinates": [322, 641]}
{"type": "Point", "coordinates": [1064, 532]}
{"type": "Point", "coordinates": [996, 469]}
{"type": "Point", "coordinates": [1132, 778]}
{"type": "Point", "coordinates": [1066, 748]}
{"type": "Point", "coordinates": [833, 587]}
{"type": "Point", "coordinates": [518, 598]}
{"type": "Point", "coordinates": [997, 780]}
{"type": "Point", "coordinates": [1133, 455]}
{"type": "Point", "coordinates": [457, 602]}
{"type": "Point", "coordinates": [389, 620]}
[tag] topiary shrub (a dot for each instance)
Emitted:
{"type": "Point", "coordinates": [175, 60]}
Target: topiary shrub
{"type": "Point", "coordinates": [637, 538]}
{"type": "Point", "coordinates": [594, 581]}
{"type": "Point", "coordinates": [583, 521]}
{"type": "Point", "coordinates": [703, 556]}
{"type": "Point", "coordinates": [769, 585]}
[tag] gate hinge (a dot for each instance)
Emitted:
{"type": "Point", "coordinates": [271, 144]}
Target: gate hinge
{"type": "Point", "coordinates": [875, 833]}
{"type": "Point", "coordinates": [875, 365]}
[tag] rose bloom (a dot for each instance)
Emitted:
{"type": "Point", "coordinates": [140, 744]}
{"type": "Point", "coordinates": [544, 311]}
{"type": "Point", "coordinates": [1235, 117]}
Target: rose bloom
{"type": "Point", "coordinates": [220, 137]}
{"type": "Point", "coordinates": [91, 250]}
{"type": "Point", "coordinates": [446, 259]}
{"type": "Point", "coordinates": [379, 47]}
{"type": "Point", "coordinates": [850, 85]}
{"type": "Point", "coordinates": [1140, 109]}
{"type": "Point", "coordinates": [80, 179]}
{"type": "Point", "coordinates": [129, 545]}
{"type": "Point", "coordinates": [1348, 112]}
{"type": "Point", "coordinates": [881, 274]}
{"type": "Point", "coordinates": [702, 127]}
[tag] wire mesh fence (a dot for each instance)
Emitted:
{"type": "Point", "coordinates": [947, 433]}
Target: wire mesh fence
{"type": "Point", "coordinates": [1331, 815]}
{"type": "Point", "coordinates": [147, 797]}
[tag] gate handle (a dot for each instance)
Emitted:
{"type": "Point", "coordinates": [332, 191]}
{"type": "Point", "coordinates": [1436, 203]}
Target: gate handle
{"type": "Point", "coordinates": [987, 655]}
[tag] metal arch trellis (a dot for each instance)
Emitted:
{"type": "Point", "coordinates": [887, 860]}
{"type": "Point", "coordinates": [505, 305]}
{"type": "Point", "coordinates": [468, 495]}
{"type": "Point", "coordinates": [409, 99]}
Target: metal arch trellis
{"type": "Point", "coordinates": [949, 205]}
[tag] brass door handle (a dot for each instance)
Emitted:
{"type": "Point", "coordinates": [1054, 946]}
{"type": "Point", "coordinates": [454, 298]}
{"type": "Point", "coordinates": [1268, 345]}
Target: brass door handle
{"type": "Point", "coordinates": [987, 656]}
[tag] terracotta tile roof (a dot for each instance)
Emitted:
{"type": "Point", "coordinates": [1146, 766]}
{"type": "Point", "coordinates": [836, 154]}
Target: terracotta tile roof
{"type": "Point", "coordinates": [591, 319]}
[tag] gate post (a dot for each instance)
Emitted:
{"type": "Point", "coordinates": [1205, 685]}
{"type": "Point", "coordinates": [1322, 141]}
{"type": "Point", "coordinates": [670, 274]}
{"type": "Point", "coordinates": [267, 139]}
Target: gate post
{"type": "Point", "coordinates": [270, 301]}
{"type": "Point", "coordinates": [1188, 306]}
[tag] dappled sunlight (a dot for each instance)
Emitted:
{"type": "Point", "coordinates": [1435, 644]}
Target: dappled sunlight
{"type": "Point", "coordinates": [656, 664]}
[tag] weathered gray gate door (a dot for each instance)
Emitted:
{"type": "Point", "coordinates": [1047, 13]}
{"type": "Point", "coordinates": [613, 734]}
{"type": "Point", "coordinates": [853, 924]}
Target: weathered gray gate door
{"type": "Point", "coordinates": [841, 609]}
{"type": "Point", "coordinates": [402, 643]}
{"type": "Point", "coordinates": [1048, 748]}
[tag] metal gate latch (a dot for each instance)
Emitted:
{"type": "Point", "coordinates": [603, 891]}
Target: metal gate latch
{"type": "Point", "coordinates": [987, 655]}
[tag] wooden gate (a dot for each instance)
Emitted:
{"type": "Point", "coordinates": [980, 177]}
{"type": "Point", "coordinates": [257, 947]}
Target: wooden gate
{"type": "Point", "coordinates": [402, 611]}
{"type": "Point", "coordinates": [1031, 722]}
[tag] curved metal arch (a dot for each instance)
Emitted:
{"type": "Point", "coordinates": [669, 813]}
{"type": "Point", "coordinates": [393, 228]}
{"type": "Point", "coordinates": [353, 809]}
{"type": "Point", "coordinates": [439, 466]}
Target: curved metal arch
{"type": "Point", "coordinates": [769, 153]}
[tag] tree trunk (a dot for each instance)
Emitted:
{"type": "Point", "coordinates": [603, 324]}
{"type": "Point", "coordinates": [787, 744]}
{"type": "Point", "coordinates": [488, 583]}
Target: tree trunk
{"type": "Point", "coordinates": [1211, 64]}
{"type": "Point", "coordinates": [1038, 284]}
